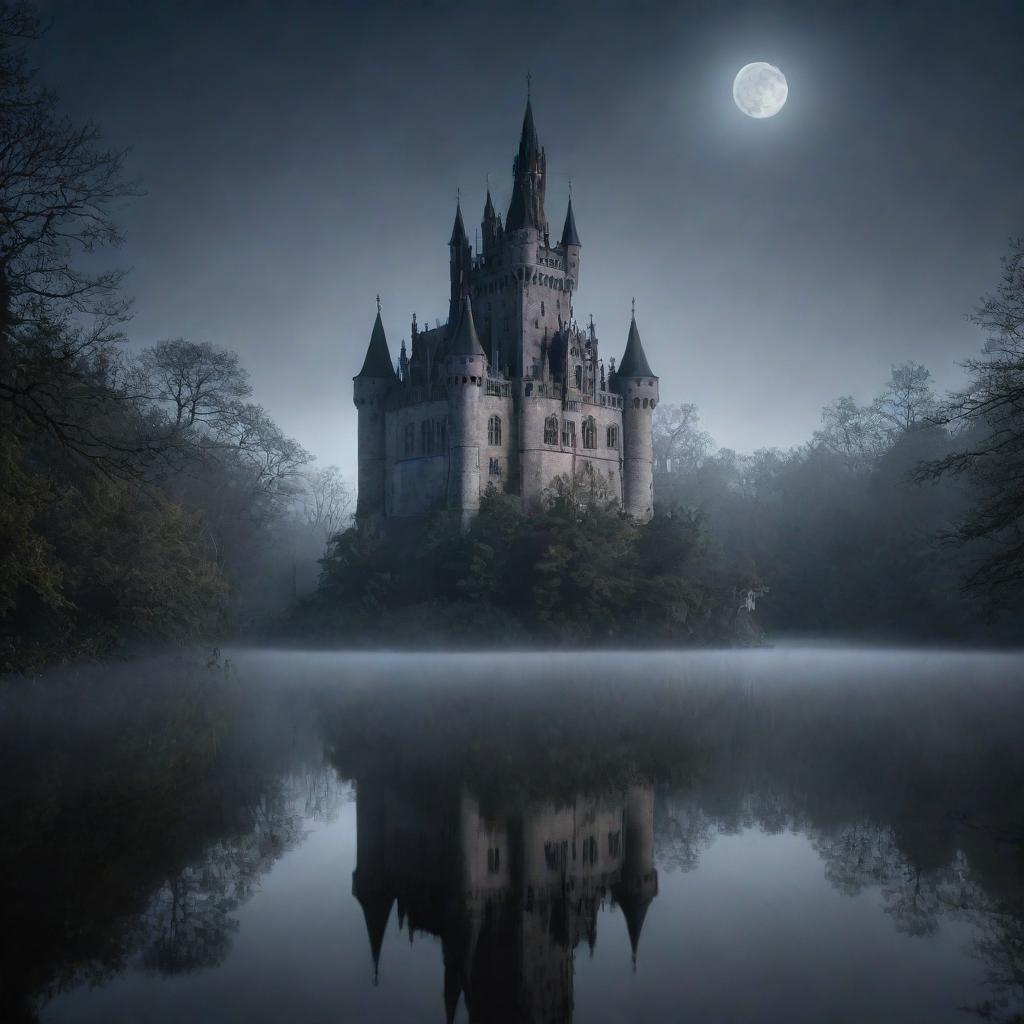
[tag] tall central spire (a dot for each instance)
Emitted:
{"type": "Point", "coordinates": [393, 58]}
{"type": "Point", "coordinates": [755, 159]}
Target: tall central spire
{"type": "Point", "coordinates": [526, 210]}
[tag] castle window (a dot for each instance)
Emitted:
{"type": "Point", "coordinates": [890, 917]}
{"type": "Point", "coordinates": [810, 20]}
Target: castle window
{"type": "Point", "coordinates": [636, 403]}
{"type": "Point", "coordinates": [589, 433]}
{"type": "Point", "coordinates": [613, 437]}
{"type": "Point", "coordinates": [579, 378]}
{"type": "Point", "coordinates": [442, 430]}
{"type": "Point", "coordinates": [427, 436]}
{"type": "Point", "coordinates": [409, 438]}
{"type": "Point", "coordinates": [495, 467]}
{"type": "Point", "coordinates": [555, 855]}
{"type": "Point", "coordinates": [493, 860]}
{"type": "Point", "coordinates": [551, 430]}
{"type": "Point", "coordinates": [542, 309]}
{"type": "Point", "coordinates": [646, 403]}
{"type": "Point", "coordinates": [494, 431]}
{"type": "Point", "coordinates": [614, 843]}
{"type": "Point", "coordinates": [569, 433]}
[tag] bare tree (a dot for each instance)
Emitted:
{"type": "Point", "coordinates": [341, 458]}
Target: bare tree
{"type": "Point", "coordinates": [201, 384]}
{"type": "Point", "coordinates": [850, 431]}
{"type": "Point", "coordinates": [679, 443]}
{"type": "Point", "coordinates": [58, 319]}
{"type": "Point", "coordinates": [989, 418]}
{"type": "Point", "coordinates": [907, 401]}
{"type": "Point", "coordinates": [327, 500]}
{"type": "Point", "coordinates": [271, 459]}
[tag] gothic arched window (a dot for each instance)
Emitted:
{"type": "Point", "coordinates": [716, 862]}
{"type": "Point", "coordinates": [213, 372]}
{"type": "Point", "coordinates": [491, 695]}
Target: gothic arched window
{"type": "Point", "coordinates": [589, 433]}
{"type": "Point", "coordinates": [494, 431]}
{"type": "Point", "coordinates": [551, 430]}
{"type": "Point", "coordinates": [579, 378]}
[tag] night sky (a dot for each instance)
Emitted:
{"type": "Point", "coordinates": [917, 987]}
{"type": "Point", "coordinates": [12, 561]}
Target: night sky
{"type": "Point", "coordinates": [299, 158]}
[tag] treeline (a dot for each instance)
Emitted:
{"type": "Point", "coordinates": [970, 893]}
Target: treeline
{"type": "Point", "coordinates": [144, 497]}
{"type": "Point", "coordinates": [902, 518]}
{"type": "Point", "coordinates": [573, 569]}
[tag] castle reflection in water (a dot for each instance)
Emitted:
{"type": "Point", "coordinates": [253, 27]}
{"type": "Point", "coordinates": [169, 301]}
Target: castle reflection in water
{"type": "Point", "coordinates": [510, 896]}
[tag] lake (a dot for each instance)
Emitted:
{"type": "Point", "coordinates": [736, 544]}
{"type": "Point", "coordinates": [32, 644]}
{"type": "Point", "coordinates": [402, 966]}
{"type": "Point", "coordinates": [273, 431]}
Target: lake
{"type": "Point", "coordinates": [806, 834]}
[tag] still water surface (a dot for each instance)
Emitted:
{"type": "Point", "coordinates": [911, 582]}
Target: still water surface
{"type": "Point", "coordinates": [804, 835]}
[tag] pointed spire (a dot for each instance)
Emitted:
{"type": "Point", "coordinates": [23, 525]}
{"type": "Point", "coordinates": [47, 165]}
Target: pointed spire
{"type": "Point", "coordinates": [634, 360]}
{"type": "Point", "coordinates": [489, 213]}
{"type": "Point", "coordinates": [526, 208]}
{"type": "Point", "coordinates": [452, 991]}
{"type": "Point", "coordinates": [376, 904]}
{"type": "Point", "coordinates": [377, 363]}
{"type": "Point", "coordinates": [465, 341]}
{"type": "Point", "coordinates": [528, 141]}
{"type": "Point", "coordinates": [569, 234]}
{"type": "Point", "coordinates": [459, 236]}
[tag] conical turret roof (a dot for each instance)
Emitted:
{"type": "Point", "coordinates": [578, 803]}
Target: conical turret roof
{"type": "Point", "coordinates": [376, 903]}
{"type": "Point", "coordinates": [489, 213]}
{"type": "Point", "coordinates": [569, 233]}
{"type": "Point", "coordinates": [459, 236]}
{"type": "Point", "coordinates": [377, 363]}
{"type": "Point", "coordinates": [528, 140]}
{"type": "Point", "coordinates": [465, 341]}
{"type": "Point", "coordinates": [634, 360]}
{"type": "Point", "coordinates": [634, 900]}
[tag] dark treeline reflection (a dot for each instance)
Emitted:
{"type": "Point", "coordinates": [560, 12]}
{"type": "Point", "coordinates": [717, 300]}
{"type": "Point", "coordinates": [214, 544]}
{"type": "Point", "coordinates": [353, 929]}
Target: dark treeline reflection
{"type": "Point", "coordinates": [500, 804]}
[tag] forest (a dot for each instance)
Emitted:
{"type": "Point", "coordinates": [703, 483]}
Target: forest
{"type": "Point", "coordinates": [146, 496]}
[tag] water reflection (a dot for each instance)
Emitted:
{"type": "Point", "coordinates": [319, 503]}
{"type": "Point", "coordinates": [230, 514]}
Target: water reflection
{"type": "Point", "coordinates": [510, 896]}
{"type": "Point", "coordinates": [509, 809]}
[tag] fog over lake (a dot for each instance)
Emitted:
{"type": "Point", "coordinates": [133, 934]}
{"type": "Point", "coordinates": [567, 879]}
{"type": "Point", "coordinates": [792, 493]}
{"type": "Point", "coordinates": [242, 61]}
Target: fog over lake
{"type": "Point", "coordinates": [800, 833]}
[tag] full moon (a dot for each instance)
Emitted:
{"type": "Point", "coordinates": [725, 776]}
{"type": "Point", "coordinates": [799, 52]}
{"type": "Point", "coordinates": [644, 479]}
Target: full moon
{"type": "Point", "coordinates": [760, 89]}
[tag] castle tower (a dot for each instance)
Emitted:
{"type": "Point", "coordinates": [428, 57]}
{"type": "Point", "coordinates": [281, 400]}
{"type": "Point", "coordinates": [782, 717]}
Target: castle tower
{"type": "Point", "coordinates": [638, 385]}
{"type": "Point", "coordinates": [466, 370]}
{"type": "Point", "coordinates": [461, 260]}
{"type": "Point", "coordinates": [571, 244]}
{"type": "Point", "coordinates": [370, 388]}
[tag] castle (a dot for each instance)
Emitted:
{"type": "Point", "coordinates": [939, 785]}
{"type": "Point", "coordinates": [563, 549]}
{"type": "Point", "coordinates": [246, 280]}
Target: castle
{"type": "Point", "coordinates": [510, 392]}
{"type": "Point", "coordinates": [510, 895]}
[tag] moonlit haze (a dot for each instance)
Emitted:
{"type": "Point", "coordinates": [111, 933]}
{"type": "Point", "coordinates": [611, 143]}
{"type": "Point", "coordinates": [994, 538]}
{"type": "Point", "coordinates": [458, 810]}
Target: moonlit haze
{"type": "Point", "coordinates": [297, 161]}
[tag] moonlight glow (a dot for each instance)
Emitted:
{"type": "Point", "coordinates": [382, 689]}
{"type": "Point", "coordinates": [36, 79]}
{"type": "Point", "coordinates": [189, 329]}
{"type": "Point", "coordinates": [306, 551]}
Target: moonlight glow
{"type": "Point", "coordinates": [760, 89]}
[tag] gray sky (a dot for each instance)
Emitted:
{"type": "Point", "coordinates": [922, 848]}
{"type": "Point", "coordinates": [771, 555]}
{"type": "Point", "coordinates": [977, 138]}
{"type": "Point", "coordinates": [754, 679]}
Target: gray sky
{"type": "Point", "coordinates": [298, 158]}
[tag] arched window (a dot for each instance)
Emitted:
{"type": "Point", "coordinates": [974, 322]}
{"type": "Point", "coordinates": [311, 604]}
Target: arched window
{"type": "Point", "coordinates": [613, 437]}
{"type": "Point", "coordinates": [569, 434]}
{"type": "Point", "coordinates": [589, 433]}
{"type": "Point", "coordinates": [636, 403]}
{"type": "Point", "coordinates": [579, 378]}
{"type": "Point", "coordinates": [494, 431]}
{"type": "Point", "coordinates": [551, 430]}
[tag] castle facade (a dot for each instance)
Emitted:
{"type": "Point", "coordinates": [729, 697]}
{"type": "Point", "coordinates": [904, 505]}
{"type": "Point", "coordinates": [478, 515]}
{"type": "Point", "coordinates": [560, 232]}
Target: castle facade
{"type": "Point", "coordinates": [511, 391]}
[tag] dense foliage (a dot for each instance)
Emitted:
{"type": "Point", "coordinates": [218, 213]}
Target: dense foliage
{"type": "Point", "coordinates": [140, 498]}
{"type": "Point", "coordinates": [572, 569]}
{"type": "Point", "coordinates": [844, 532]}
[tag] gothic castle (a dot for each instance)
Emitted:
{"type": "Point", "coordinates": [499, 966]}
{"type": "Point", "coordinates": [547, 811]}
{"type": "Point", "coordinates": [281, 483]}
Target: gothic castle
{"type": "Point", "coordinates": [511, 391]}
